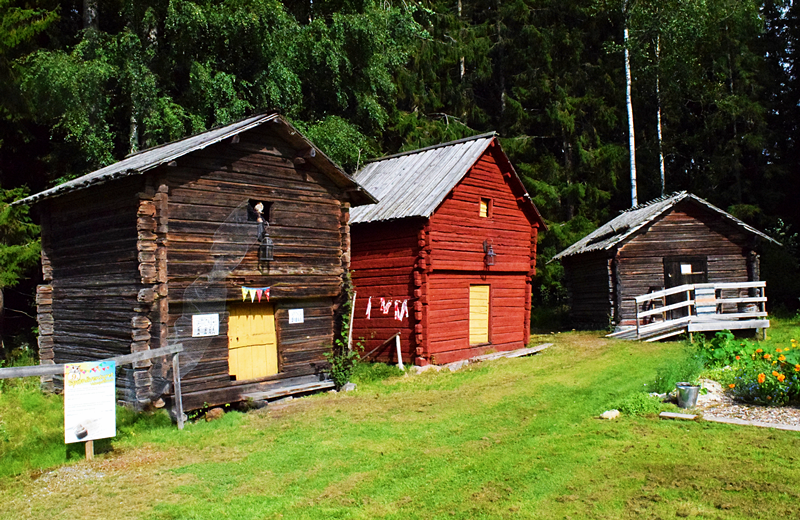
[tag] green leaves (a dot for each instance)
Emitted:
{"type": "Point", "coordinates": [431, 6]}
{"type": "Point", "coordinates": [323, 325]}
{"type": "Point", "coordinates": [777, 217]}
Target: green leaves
{"type": "Point", "coordinates": [19, 238]}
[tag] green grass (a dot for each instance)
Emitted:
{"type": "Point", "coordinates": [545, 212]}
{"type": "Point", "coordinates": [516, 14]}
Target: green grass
{"type": "Point", "coordinates": [510, 438]}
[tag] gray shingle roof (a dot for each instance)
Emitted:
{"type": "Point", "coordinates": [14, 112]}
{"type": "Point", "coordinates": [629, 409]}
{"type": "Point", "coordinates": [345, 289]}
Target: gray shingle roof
{"type": "Point", "coordinates": [145, 160]}
{"type": "Point", "coordinates": [414, 184]}
{"type": "Point", "coordinates": [632, 220]}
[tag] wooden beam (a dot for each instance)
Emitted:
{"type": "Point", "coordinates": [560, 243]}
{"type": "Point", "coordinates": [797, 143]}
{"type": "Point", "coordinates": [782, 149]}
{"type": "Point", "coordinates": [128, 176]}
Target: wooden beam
{"type": "Point", "coordinates": [54, 369]}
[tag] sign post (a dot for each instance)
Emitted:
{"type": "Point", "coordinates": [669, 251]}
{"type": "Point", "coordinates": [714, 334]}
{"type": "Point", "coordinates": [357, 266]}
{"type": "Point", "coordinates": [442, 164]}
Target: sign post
{"type": "Point", "coordinates": [89, 403]}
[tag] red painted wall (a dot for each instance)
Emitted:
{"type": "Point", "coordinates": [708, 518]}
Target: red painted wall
{"type": "Point", "coordinates": [433, 263]}
{"type": "Point", "coordinates": [383, 255]}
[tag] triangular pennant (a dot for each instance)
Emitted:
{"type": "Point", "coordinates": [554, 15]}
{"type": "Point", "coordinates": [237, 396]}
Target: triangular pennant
{"type": "Point", "coordinates": [266, 292]}
{"type": "Point", "coordinates": [244, 293]}
{"type": "Point", "coordinates": [259, 292]}
{"type": "Point", "coordinates": [252, 294]}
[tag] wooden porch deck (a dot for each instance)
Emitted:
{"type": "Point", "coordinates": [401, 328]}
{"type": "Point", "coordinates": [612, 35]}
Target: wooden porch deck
{"type": "Point", "coordinates": [701, 308]}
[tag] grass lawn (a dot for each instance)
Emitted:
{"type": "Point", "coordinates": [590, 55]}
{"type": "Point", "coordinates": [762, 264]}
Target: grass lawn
{"type": "Point", "coordinates": [506, 439]}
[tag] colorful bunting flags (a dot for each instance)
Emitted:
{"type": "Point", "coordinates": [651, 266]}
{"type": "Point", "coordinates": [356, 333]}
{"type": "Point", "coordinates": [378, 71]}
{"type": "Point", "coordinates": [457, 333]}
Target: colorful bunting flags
{"type": "Point", "coordinates": [255, 292]}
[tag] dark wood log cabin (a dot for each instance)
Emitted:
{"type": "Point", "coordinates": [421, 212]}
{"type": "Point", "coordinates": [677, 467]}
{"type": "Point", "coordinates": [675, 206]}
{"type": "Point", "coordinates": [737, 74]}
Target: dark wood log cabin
{"type": "Point", "coordinates": [446, 257]}
{"type": "Point", "coordinates": [164, 247]}
{"type": "Point", "coordinates": [668, 242]}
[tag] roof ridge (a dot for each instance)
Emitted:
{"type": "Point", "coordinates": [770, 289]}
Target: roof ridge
{"type": "Point", "coordinates": [184, 138]}
{"type": "Point", "coordinates": [663, 198]}
{"type": "Point", "coordinates": [432, 147]}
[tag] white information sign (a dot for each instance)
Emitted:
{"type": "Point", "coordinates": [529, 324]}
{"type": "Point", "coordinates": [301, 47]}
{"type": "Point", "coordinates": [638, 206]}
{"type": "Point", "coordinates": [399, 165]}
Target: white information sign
{"type": "Point", "coordinates": [686, 268]}
{"type": "Point", "coordinates": [90, 399]}
{"type": "Point", "coordinates": [205, 325]}
{"type": "Point", "coordinates": [296, 316]}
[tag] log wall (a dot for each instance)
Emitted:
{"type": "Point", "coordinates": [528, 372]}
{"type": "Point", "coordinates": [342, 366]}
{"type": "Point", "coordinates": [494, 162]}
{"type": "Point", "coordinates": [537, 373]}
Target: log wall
{"type": "Point", "coordinates": [590, 290]}
{"type": "Point", "coordinates": [685, 231]}
{"type": "Point", "coordinates": [384, 255]}
{"type": "Point", "coordinates": [457, 232]}
{"type": "Point", "coordinates": [213, 252]}
{"type": "Point", "coordinates": [434, 262]}
{"type": "Point", "coordinates": [448, 314]}
{"type": "Point", "coordinates": [91, 274]}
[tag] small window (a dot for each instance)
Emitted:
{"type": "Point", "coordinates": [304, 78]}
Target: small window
{"type": "Point", "coordinates": [252, 214]}
{"type": "Point", "coordinates": [485, 208]}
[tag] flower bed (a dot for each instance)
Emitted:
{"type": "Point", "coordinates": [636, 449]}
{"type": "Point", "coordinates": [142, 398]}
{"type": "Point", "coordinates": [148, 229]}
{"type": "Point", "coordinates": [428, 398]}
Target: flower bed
{"type": "Point", "coordinates": [755, 373]}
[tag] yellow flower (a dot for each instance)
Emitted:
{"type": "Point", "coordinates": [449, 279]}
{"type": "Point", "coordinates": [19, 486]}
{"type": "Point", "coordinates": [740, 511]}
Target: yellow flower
{"type": "Point", "coordinates": [781, 358]}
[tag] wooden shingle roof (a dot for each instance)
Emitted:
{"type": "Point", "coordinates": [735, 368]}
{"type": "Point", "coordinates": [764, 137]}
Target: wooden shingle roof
{"type": "Point", "coordinates": [414, 184]}
{"type": "Point", "coordinates": [630, 221]}
{"type": "Point", "coordinates": [146, 160]}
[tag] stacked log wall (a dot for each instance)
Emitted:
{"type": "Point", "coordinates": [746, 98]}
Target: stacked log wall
{"type": "Point", "coordinates": [448, 314]}
{"type": "Point", "coordinates": [590, 290]}
{"type": "Point", "coordinates": [211, 257]}
{"type": "Point", "coordinates": [384, 255]}
{"type": "Point", "coordinates": [91, 274]}
{"type": "Point", "coordinates": [457, 234]}
{"type": "Point", "coordinates": [685, 231]}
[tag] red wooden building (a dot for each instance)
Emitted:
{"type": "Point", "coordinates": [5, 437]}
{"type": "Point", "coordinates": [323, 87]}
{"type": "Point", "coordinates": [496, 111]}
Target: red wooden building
{"type": "Point", "coordinates": [446, 257]}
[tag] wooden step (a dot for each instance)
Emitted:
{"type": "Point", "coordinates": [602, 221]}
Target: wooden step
{"type": "Point", "coordinates": [286, 391]}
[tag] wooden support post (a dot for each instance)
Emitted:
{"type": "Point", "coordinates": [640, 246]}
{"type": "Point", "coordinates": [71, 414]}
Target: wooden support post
{"type": "Point", "coordinates": [89, 445]}
{"type": "Point", "coordinates": [350, 328]}
{"type": "Point", "coordinates": [399, 354]}
{"type": "Point", "coordinates": [176, 379]}
{"type": "Point", "coordinates": [636, 306]}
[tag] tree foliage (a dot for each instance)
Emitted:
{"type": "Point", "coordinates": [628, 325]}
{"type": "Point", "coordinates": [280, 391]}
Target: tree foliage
{"type": "Point", "coordinates": [365, 77]}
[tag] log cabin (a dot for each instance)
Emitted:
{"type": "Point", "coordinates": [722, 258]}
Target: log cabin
{"type": "Point", "coordinates": [445, 259]}
{"type": "Point", "coordinates": [675, 241]}
{"type": "Point", "coordinates": [233, 243]}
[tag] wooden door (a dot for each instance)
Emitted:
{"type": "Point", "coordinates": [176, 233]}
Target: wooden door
{"type": "Point", "coordinates": [478, 314]}
{"type": "Point", "coordinates": [680, 270]}
{"type": "Point", "coordinates": [252, 343]}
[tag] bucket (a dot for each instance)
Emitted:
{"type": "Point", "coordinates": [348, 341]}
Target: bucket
{"type": "Point", "coordinates": [687, 394]}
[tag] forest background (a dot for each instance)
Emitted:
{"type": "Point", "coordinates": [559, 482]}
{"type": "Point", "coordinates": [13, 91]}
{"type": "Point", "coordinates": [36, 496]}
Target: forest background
{"type": "Point", "coordinates": [715, 97]}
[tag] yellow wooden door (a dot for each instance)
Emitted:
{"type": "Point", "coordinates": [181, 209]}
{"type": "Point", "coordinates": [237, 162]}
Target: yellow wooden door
{"type": "Point", "coordinates": [478, 314]}
{"type": "Point", "coordinates": [252, 345]}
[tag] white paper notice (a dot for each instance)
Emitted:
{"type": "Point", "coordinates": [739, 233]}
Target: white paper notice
{"type": "Point", "coordinates": [295, 315]}
{"type": "Point", "coordinates": [686, 268]}
{"type": "Point", "coordinates": [90, 398]}
{"type": "Point", "coordinates": [205, 325]}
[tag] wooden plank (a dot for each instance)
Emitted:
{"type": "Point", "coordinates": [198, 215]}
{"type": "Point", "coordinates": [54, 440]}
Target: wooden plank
{"type": "Point", "coordinates": [289, 390]}
{"type": "Point", "coordinates": [703, 326]}
{"type": "Point", "coordinates": [660, 310]}
{"type": "Point", "coordinates": [679, 416]}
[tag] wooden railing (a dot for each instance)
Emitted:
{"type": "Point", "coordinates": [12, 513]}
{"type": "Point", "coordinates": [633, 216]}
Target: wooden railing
{"type": "Point", "coordinates": [705, 306]}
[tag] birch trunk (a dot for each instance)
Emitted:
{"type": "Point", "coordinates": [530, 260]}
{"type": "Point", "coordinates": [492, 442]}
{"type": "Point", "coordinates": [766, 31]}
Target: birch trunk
{"type": "Point", "coordinates": [629, 104]}
{"type": "Point", "coordinates": [658, 101]}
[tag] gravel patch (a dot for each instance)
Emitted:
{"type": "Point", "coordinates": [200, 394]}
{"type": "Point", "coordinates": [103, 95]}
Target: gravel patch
{"type": "Point", "coordinates": [718, 403]}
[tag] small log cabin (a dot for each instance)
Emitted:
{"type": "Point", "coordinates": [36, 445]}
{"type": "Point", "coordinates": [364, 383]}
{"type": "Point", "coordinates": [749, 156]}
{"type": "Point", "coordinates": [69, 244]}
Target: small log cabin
{"type": "Point", "coordinates": [671, 241]}
{"type": "Point", "coordinates": [233, 242]}
{"type": "Point", "coordinates": [446, 258]}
